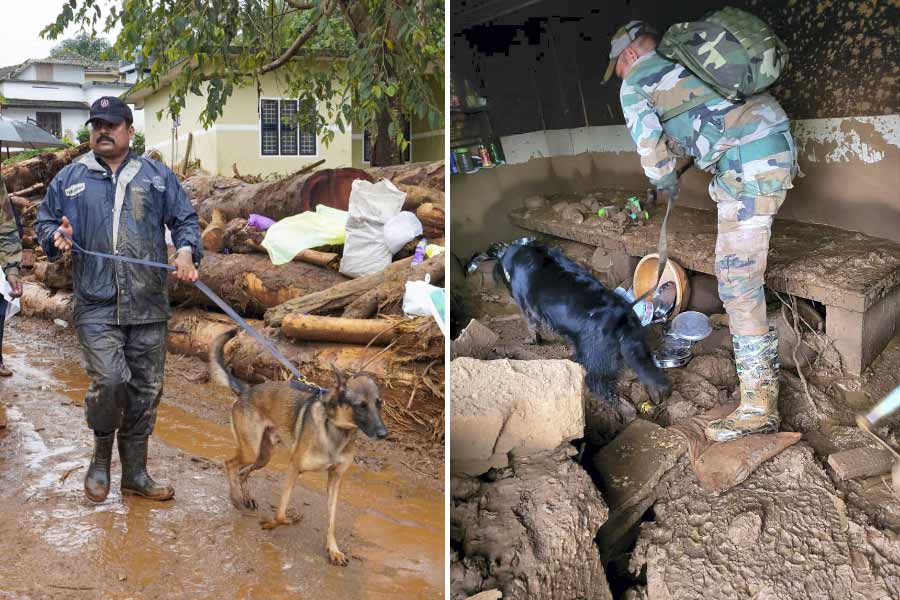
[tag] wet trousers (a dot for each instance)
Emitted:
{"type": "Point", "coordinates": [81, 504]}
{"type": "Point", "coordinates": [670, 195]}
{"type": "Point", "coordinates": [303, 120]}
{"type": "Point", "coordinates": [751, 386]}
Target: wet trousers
{"type": "Point", "coordinates": [126, 366]}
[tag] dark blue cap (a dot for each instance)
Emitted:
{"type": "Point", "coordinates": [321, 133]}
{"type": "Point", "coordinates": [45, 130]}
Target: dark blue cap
{"type": "Point", "coordinates": [110, 109]}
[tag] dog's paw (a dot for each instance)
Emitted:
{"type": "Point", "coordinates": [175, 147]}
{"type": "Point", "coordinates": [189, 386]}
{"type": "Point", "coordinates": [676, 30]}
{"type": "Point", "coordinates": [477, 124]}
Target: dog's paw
{"type": "Point", "coordinates": [337, 558]}
{"type": "Point", "coordinates": [249, 504]}
{"type": "Point", "coordinates": [271, 523]}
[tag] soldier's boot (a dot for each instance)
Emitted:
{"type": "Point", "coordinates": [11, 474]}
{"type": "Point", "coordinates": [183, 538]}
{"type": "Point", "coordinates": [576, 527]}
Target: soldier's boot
{"type": "Point", "coordinates": [756, 359]}
{"type": "Point", "coordinates": [4, 371]}
{"type": "Point", "coordinates": [96, 482]}
{"type": "Point", "coordinates": [135, 479]}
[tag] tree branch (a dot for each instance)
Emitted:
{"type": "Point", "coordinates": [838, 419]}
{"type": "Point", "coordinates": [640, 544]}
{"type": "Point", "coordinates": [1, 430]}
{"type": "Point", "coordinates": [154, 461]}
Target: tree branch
{"type": "Point", "coordinates": [301, 5]}
{"type": "Point", "coordinates": [298, 43]}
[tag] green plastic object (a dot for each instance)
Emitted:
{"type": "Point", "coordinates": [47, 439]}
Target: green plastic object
{"type": "Point", "coordinates": [285, 239]}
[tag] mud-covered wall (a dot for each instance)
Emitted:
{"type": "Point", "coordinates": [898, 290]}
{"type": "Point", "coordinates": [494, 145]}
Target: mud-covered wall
{"type": "Point", "coordinates": [541, 69]}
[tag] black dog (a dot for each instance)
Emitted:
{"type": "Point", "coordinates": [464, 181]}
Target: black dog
{"type": "Point", "coordinates": [555, 292]}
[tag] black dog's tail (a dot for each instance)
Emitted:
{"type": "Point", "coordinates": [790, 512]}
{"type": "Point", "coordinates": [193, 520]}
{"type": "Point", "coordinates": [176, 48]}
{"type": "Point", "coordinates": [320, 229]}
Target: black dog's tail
{"type": "Point", "coordinates": [218, 372]}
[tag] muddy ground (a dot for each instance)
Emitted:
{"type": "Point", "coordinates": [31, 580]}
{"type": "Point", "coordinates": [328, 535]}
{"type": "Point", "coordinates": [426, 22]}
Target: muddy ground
{"type": "Point", "coordinates": [677, 548]}
{"type": "Point", "coordinates": [55, 544]}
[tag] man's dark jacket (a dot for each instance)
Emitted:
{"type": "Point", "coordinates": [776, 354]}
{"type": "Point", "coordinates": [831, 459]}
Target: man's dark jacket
{"type": "Point", "coordinates": [119, 213]}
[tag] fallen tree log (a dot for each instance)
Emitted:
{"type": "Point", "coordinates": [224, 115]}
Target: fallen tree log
{"type": "Point", "coordinates": [312, 328]}
{"type": "Point", "coordinates": [39, 302]}
{"type": "Point", "coordinates": [250, 283]}
{"type": "Point", "coordinates": [432, 218]}
{"type": "Point", "coordinates": [417, 195]}
{"type": "Point", "coordinates": [242, 238]}
{"type": "Point", "coordinates": [55, 275]}
{"type": "Point", "coordinates": [40, 169]}
{"type": "Point", "coordinates": [213, 237]}
{"type": "Point", "coordinates": [192, 331]}
{"type": "Point", "coordinates": [387, 297]}
{"type": "Point", "coordinates": [427, 174]}
{"type": "Point", "coordinates": [339, 296]}
{"type": "Point", "coordinates": [274, 199]}
{"type": "Point", "coordinates": [245, 239]}
{"type": "Point", "coordinates": [33, 190]}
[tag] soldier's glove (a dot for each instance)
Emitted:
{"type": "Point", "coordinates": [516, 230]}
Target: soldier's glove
{"type": "Point", "coordinates": [667, 192]}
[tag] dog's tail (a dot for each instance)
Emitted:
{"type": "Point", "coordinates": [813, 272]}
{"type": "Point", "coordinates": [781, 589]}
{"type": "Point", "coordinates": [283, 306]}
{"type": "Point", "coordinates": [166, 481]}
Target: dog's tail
{"type": "Point", "coordinates": [218, 372]}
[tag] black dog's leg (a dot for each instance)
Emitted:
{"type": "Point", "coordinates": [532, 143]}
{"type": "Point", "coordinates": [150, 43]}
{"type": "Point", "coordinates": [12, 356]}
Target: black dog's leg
{"type": "Point", "coordinates": [601, 361]}
{"type": "Point", "coordinates": [637, 357]}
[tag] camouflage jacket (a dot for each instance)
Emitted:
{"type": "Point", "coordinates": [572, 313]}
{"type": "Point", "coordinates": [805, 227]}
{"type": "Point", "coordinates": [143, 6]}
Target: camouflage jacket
{"type": "Point", "coordinates": [10, 243]}
{"type": "Point", "coordinates": [705, 132]}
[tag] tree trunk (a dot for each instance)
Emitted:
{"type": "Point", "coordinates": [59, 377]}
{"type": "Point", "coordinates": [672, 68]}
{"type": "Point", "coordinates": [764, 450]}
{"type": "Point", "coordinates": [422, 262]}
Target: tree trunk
{"type": "Point", "coordinates": [432, 218]}
{"type": "Point", "coordinates": [250, 283]}
{"type": "Point", "coordinates": [40, 169]}
{"type": "Point", "coordinates": [311, 328]}
{"type": "Point", "coordinates": [274, 199]}
{"type": "Point", "coordinates": [427, 174]}
{"type": "Point", "coordinates": [387, 297]}
{"type": "Point", "coordinates": [213, 237]}
{"type": "Point", "coordinates": [39, 302]}
{"type": "Point", "coordinates": [192, 331]}
{"type": "Point", "coordinates": [417, 195]}
{"type": "Point", "coordinates": [55, 275]}
{"type": "Point", "coordinates": [339, 296]}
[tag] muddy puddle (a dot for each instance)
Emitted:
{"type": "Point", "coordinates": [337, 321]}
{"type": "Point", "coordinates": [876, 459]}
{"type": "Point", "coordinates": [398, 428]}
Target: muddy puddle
{"type": "Point", "coordinates": [197, 546]}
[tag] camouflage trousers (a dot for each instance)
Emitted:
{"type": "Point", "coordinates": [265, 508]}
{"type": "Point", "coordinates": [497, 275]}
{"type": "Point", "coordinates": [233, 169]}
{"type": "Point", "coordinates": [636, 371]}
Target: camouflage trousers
{"type": "Point", "coordinates": [749, 187]}
{"type": "Point", "coordinates": [126, 366]}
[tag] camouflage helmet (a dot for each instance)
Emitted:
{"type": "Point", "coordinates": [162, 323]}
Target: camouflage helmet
{"type": "Point", "coordinates": [623, 36]}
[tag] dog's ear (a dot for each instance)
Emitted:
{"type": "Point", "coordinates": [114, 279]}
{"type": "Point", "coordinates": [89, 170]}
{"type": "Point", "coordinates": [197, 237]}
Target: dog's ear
{"type": "Point", "coordinates": [339, 378]}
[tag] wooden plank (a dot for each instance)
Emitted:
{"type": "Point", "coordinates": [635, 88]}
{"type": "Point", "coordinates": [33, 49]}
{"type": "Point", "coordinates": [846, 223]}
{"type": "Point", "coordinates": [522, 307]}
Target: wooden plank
{"type": "Point", "coordinates": [861, 462]}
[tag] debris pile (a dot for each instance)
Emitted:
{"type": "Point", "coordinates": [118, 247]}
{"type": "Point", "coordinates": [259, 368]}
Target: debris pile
{"type": "Point", "coordinates": [806, 512]}
{"type": "Point", "coordinates": [315, 315]}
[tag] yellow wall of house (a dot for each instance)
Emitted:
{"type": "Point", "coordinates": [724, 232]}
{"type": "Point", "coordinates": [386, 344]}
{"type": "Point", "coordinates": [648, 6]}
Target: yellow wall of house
{"type": "Point", "coordinates": [234, 138]}
{"type": "Point", "coordinates": [238, 135]}
{"type": "Point", "coordinates": [158, 133]}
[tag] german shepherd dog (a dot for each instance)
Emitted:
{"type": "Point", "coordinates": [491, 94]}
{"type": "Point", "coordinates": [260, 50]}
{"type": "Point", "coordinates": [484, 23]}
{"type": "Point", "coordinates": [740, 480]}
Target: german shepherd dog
{"type": "Point", "coordinates": [318, 427]}
{"type": "Point", "coordinates": [553, 291]}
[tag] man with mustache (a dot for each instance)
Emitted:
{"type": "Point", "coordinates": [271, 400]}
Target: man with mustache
{"type": "Point", "coordinates": [112, 201]}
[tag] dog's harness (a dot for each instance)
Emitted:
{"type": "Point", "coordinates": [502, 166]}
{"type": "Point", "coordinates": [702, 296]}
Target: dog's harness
{"type": "Point", "coordinates": [299, 382]}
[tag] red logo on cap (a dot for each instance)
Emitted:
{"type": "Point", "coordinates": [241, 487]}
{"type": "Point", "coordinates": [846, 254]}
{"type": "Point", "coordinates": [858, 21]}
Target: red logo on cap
{"type": "Point", "coordinates": [104, 103]}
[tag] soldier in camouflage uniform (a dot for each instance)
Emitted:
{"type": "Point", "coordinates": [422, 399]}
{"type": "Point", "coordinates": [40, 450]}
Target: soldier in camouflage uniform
{"type": "Point", "coordinates": [749, 149]}
{"type": "Point", "coordinates": [10, 257]}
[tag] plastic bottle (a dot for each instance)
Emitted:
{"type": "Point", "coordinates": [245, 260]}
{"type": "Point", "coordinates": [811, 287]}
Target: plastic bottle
{"type": "Point", "coordinates": [419, 255]}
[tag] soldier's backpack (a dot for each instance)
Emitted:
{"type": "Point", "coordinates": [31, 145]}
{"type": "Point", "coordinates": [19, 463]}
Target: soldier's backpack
{"type": "Point", "coordinates": [731, 50]}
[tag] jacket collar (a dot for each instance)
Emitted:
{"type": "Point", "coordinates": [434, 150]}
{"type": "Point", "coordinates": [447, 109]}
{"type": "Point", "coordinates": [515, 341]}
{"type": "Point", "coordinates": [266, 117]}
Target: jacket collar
{"type": "Point", "coordinates": [92, 161]}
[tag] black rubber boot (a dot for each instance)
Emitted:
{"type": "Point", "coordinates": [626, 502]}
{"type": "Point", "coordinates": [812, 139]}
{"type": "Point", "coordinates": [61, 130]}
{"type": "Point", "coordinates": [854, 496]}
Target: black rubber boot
{"type": "Point", "coordinates": [135, 479]}
{"type": "Point", "coordinates": [96, 482]}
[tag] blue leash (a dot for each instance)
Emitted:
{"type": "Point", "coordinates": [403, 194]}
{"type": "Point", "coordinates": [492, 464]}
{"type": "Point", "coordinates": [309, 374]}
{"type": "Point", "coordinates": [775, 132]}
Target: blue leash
{"type": "Point", "coordinates": [264, 341]}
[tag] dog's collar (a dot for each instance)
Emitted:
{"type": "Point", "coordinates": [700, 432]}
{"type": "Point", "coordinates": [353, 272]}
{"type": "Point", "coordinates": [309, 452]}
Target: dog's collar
{"type": "Point", "coordinates": [305, 387]}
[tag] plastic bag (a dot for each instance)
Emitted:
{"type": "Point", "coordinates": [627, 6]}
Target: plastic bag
{"type": "Point", "coordinates": [400, 229]}
{"type": "Point", "coordinates": [417, 299]}
{"type": "Point", "coordinates": [286, 238]}
{"type": "Point", "coordinates": [371, 206]}
{"type": "Point", "coordinates": [12, 306]}
{"type": "Point", "coordinates": [260, 222]}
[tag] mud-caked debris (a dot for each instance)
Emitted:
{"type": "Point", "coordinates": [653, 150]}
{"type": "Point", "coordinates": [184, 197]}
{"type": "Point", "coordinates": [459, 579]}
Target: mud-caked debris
{"type": "Point", "coordinates": [475, 341]}
{"type": "Point", "coordinates": [530, 534]}
{"type": "Point", "coordinates": [783, 533]}
{"type": "Point", "coordinates": [509, 406]}
{"type": "Point", "coordinates": [629, 468]}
